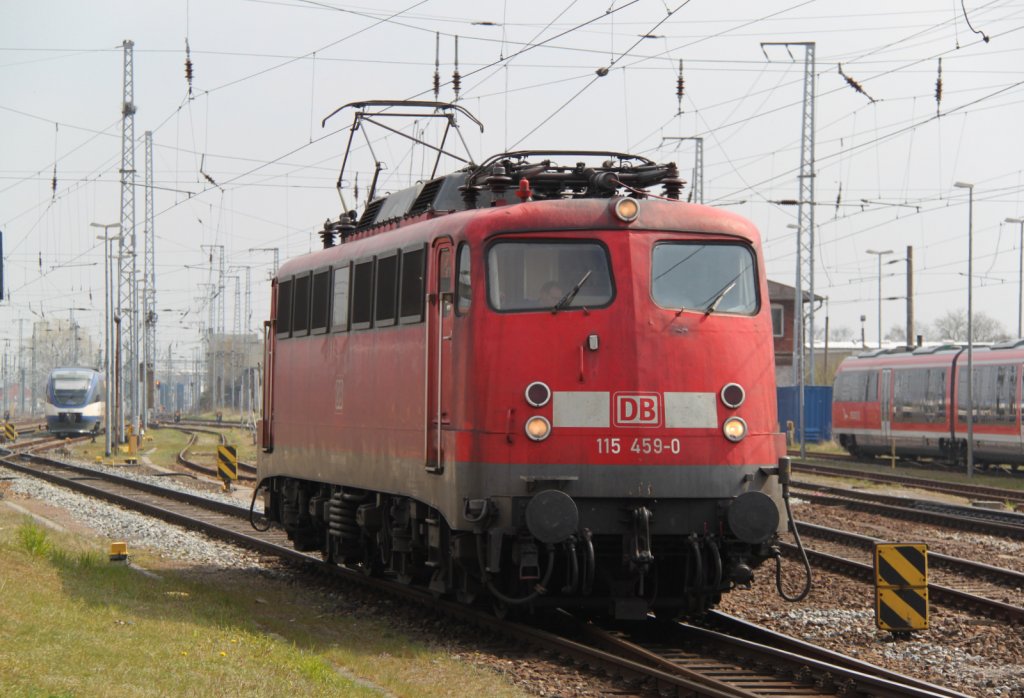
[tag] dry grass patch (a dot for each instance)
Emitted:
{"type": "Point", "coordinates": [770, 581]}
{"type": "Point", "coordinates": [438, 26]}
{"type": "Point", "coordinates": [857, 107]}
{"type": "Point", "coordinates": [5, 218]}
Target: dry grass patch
{"type": "Point", "coordinates": [77, 625]}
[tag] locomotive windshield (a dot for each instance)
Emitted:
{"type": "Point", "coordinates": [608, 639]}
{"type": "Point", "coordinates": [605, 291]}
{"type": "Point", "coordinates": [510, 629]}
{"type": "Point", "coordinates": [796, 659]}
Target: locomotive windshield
{"type": "Point", "coordinates": [71, 387]}
{"type": "Point", "coordinates": [540, 275]}
{"type": "Point", "coordinates": [704, 277]}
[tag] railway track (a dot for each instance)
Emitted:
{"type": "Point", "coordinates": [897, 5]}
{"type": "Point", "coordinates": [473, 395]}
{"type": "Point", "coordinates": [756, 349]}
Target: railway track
{"type": "Point", "coordinates": [978, 519]}
{"type": "Point", "coordinates": [710, 664]}
{"type": "Point", "coordinates": [969, 585]}
{"type": "Point", "coordinates": [246, 471]}
{"type": "Point", "coordinates": [969, 491]}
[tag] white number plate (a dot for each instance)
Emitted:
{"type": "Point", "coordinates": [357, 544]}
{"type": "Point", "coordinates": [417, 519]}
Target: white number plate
{"type": "Point", "coordinates": [613, 445]}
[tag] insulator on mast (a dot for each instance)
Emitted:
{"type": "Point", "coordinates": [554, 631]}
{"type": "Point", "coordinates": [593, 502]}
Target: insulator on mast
{"type": "Point", "coordinates": [188, 67]}
{"type": "Point", "coordinates": [854, 84]}
{"type": "Point", "coordinates": [680, 87]}
{"type": "Point", "coordinates": [437, 65]}
{"type": "Point", "coordinates": [456, 78]}
{"type": "Point", "coordinates": [938, 88]}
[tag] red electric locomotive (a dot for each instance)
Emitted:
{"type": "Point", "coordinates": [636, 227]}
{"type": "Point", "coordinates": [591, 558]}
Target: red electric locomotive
{"type": "Point", "coordinates": [902, 401]}
{"type": "Point", "coordinates": [515, 383]}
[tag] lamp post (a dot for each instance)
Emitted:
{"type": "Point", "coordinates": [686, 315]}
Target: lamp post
{"type": "Point", "coordinates": [970, 323]}
{"type": "Point", "coordinates": [880, 254]}
{"type": "Point", "coordinates": [798, 347]}
{"type": "Point", "coordinates": [1020, 274]}
{"type": "Point", "coordinates": [107, 366]}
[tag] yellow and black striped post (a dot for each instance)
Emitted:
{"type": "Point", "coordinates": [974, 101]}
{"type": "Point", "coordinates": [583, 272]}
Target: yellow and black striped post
{"type": "Point", "coordinates": [901, 586]}
{"type": "Point", "coordinates": [227, 464]}
{"type": "Point", "coordinates": [10, 432]}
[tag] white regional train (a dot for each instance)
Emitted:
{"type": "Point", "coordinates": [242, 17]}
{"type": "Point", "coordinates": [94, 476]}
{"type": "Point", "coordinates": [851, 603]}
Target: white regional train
{"type": "Point", "coordinates": [75, 401]}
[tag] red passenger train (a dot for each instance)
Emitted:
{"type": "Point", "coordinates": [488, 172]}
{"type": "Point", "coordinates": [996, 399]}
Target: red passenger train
{"type": "Point", "coordinates": [903, 401]}
{"type": "Point", "coordinates": [515, 383]}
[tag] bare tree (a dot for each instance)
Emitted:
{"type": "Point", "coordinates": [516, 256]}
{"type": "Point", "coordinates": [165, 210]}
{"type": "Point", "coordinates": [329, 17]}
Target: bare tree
{"type": "Point", "coordinates": [896, 333]}
{"type": "Point", "coordinates": [841, 334]}
{"type": "Point", "coordinates": [953, 325]}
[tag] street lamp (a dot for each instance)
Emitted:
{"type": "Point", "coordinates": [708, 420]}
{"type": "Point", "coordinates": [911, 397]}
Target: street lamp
{"type": "Point", "coordinates": [880, 254]}
{"type": "Point", "coordinates": [970, 323]}
{"type": "Point", "coordinates": [107, 365]}
{"type": "Point", "coordinates": [1020, 274]}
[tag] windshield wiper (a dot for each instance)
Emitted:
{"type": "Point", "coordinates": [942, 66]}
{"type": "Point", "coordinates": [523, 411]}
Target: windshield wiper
{"type": "Point", "coordinates": [567, 298]}
{"type": "Point", "coordinates": [718, 298]}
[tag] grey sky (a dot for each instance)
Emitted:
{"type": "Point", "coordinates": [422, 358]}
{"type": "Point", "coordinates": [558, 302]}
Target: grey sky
{"type": "Point", "coordinates": [267, 72]}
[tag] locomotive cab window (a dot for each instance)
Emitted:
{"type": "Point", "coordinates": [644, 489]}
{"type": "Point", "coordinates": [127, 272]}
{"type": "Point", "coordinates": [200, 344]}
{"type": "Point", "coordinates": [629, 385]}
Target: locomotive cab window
{"type": "Point", "coordinates": [704, 277]}
{"type": "Point", "coordinates": [463, 288]}
{"type": "Point", "coordinates": [538, 275]}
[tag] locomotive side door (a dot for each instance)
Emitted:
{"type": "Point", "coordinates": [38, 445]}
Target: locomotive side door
{"type": "Point", "coordinates": [885, 395]}
{"type": "Point", "coordinates": [440, 314]}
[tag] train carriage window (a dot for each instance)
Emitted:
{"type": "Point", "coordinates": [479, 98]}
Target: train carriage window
{"type": "Point", "coordinates": [320, 302]}
{"type": "Point", "coordinates": [463, 286]}
{"type": "Point", "coordinates": [300, 306]}
{"type": "Point", "coordinates": [339, 304]}
{"type": "Point", "coordinates": [520, 272]}
{"type": "Point", "coordinates": [871, 387]}
{"type": "Point", "coordinates": [995, 390]}
{"type": "Point", "coordinates": [386, 300]}
{"type": "Point", "coordinates": [850, 386]}
{"type": "Point", "coordinates": [411, 286]}
{"type": "Point", "coordinates": [704, 277]}
{"type": "Point", "coordinates": [284, 308]}
{"type": "Point", "coordinates": [362, 295]}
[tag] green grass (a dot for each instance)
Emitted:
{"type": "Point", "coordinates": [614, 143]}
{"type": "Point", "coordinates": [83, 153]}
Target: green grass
{"type": "Point", "coordinates": [75, 624]}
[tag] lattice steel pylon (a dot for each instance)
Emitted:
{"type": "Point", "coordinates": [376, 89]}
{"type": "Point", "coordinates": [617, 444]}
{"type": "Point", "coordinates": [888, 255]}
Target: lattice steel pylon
{"type": "Point", "coordinates": [127, 291]}
{"type": "Point", "coordinates": [804, 236]}
{"type": "Point", "coordinates": [149, 289]}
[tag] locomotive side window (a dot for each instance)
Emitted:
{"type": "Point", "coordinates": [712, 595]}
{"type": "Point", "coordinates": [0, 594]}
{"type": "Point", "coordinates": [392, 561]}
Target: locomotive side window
{"type": "Point", "coordinates": [362, 295]}
{"type": "Point", "coordinates": [320, 302]}
{"type": "Point", "coordinates": [300, 306]}
{"type": "Point", "coordinates": [387, 290]}
{"type": "Point", "coordinates": [339, 306]}
{"type": "Point", "coordinates": [704, 277]}
{"type": "Point", "coordinates": [411, 288]}
{"type": "Point", "coordinates": [284, 308]}
{"type": "Point", "coordinates": [463, 287]}
{"type": "Point", "coordinates": [527, 275]}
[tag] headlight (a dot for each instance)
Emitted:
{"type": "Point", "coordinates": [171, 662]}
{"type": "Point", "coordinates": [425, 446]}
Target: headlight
{"type": "Point", "coordinates": [626, 209]}
{"type": "Point", "coordinates": [733, 395]}
{"type": "Point", "coordinates": [538, 428]}
{"type": "Point", "coordinates": [537, 394]}
{"type": "Point", "coordinates": [734, 429]}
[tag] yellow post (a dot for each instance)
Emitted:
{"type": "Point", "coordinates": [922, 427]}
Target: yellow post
{"type": "Point", "coordinates": [892, 455]}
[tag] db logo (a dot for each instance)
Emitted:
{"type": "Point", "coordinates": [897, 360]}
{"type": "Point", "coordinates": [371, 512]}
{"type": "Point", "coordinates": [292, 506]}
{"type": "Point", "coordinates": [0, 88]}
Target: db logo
{"type": "Point", "coordinates": [637, 410]}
